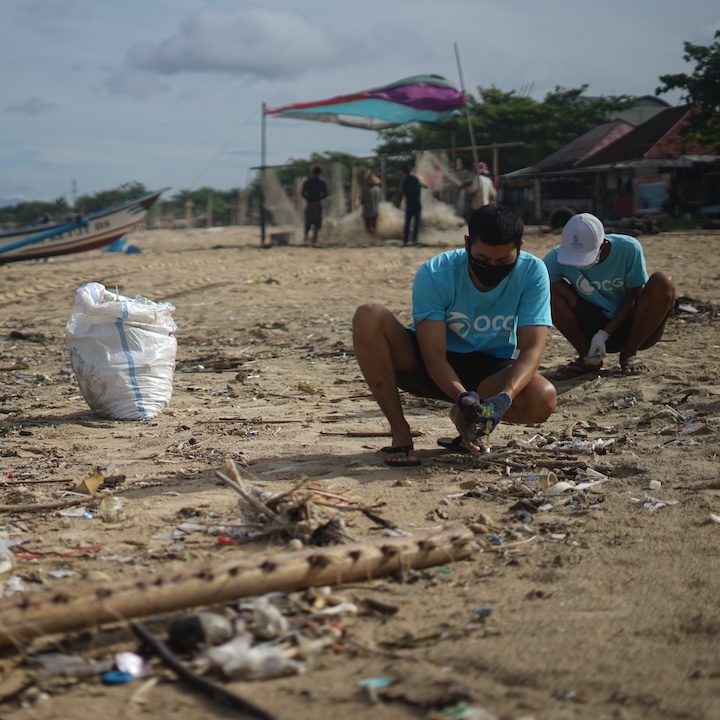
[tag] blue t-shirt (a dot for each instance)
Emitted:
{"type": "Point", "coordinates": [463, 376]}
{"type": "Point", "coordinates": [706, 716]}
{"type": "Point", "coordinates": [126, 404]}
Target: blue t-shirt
{"type": "Point", "coordinates": [475, 320]}
{"type": "Point", "coordinates": [604, 283]}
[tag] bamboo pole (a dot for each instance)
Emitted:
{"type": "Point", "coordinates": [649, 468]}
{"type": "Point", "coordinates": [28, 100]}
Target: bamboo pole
{"type": "Point", "coordinates": [32, 615]}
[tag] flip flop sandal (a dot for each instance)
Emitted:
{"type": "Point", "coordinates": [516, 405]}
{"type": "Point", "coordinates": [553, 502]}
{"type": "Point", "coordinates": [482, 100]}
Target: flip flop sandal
{"type": "Point", "coordinates": [407, 462]}
{"type": "Point", "coordinates": [628, 366]}
{"type": "Point", "coordinates": [453, 444]}
{"type": "Point", "coordinates": [572, 370]}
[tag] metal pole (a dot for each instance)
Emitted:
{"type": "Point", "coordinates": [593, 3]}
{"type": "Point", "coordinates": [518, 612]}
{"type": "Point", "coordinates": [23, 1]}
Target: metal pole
{"type": "Point", "coordinates": [262, 173]}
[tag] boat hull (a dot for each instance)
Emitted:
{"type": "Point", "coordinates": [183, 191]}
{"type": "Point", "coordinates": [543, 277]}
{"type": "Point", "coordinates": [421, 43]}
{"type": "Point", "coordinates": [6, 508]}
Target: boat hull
{"type": "Point", "coordinates": [98, 230]}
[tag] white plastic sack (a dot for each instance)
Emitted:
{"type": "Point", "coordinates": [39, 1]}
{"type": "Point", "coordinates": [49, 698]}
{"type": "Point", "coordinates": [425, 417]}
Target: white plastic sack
{"type": "Point", "coordinates": [122, 352]}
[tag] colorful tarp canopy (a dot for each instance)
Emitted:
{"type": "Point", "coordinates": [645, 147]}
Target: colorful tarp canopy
{"type": "Point", "coordinates": [420, 98]}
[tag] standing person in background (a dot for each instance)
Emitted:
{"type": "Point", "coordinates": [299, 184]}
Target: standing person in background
{"type": "Point", "coordinates": [314, 190]}
{"type": "Point", "coordinates": [370, 196]}
{"type": "Point", "coordinates": [410, 190]}
{"type": "Point", "coordinates": [481, 188]}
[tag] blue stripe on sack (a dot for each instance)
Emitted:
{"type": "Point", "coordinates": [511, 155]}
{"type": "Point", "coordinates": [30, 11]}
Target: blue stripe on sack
{"type": "Point", "coordinates": [131, 363]}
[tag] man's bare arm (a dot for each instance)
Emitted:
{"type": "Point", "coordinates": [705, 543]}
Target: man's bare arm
{"type": "Point", "coordinates": [432, 339]}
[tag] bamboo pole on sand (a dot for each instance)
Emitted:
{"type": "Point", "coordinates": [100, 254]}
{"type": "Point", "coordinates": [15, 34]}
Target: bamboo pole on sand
{"type": "Point", "coordinates": [28, 616]}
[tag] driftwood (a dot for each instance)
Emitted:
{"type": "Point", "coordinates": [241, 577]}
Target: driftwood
{"type": "Point", "coordinates": [32, 615]}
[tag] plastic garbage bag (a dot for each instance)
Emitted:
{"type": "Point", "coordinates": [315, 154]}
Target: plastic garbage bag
{"type": "Point", "coordinates": [122, 351]}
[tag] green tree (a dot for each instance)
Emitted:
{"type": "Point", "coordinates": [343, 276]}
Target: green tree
{"type": "Point", "coordinates": [107, 198]}
{"type": "Point", "coordinates": [700, 88]}
{"type": "Point", "coordinates": [224, 204]}
{"type": "Point", "coordinates": [508, 117]}
{"type": "Point", "coordinates": [29, 213]}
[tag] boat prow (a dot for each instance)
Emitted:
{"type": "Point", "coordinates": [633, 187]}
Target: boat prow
{"type": "Point", "coordinates": [93, 231]}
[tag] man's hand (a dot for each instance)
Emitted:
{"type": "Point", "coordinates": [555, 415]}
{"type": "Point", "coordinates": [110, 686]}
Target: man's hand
{"type": "Point", "coordinates": [597, 344]}
{"type": "Point", "coordinates": [481, 417]}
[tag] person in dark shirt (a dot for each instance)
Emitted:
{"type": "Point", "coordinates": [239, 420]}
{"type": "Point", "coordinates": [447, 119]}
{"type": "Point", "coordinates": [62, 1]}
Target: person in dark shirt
{"type": "Point", "coordinates": [410, 190]}
{"type": "Point", "coordinates": [314, 190]}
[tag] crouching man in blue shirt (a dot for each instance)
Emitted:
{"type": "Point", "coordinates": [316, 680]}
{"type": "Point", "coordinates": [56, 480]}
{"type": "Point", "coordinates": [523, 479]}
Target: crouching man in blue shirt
{"type": "Point", "coordinates": [602, 298]}
{"type": "Point", "coordinates": [481, 317]}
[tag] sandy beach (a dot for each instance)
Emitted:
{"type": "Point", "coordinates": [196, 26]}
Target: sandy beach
{"type": "Point", "coordinates": [599, 602]}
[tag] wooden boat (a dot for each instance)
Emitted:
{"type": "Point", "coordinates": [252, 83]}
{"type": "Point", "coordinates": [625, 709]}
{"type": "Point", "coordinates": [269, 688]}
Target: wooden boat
{"type": "Point", "coordinates": [75, 234]}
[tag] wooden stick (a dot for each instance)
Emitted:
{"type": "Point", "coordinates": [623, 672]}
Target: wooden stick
{"type": "Point", "coordinates": [83, 605]}
{"type": "Point", "coordinates": [51, 505]}
{"type": "Point", "coordinates": [237, 485]}
{"type": "Point", "coordinates": [365, 433]}
{"type": "Point", "coordinates": [34, 481]}
{"type": "Point", "coordinates": [198, 682]}
{"type": "Point", "coordinates": [257, 420]}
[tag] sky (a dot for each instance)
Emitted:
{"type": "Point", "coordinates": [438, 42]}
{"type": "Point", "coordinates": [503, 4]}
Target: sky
{"type": "Point", "coordinates": [96, 94]}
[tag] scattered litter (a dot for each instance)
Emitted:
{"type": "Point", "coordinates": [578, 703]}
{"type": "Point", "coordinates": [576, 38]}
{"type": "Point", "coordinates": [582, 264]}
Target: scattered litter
{"type": "Point", "coordinates": [7, 558]}
{"type": "Point", "coordinates": [652, 504]}
{"type": "Point", "coordinates": [61, 573]}
{"type": "Point", "coordinates": [468, 712]}
{"type": "Point", "coordinates": [50, 665]}
{"type": "Point", "coordinates": [687, 308]}
{"type": "Point", "coordinates": [75, 512]}
{"type": "Point", "coordinates": [202, 629]}
{"type": "Point", "coordinates": [677, 413]}
{"type": "Point", "coordinates": [91, 484]}
{"type": "Point", "coordinates": [128, 664]}
{"type": "Point", "coordinates": [267, 621]}
{"type": "Point", "coordinates": [239, 659]}
{"type": "Point", "coordinates": [112, 509]}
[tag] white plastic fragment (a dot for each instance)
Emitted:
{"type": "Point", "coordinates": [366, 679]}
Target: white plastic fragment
{"type": "Point", "coordinates": [267, 621]}
{"type": "Point", "coordinates": [238, 659]}
{"type": "Point", "coordinates": [340, 608]}
{"type": "Point", "coordinates": [590, 484]}
{"type": "Point", "coordinates": [559, 488]}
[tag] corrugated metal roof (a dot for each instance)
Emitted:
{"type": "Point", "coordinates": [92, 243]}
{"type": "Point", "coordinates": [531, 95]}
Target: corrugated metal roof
{"type": "Point", "coordinates": [582, 147]}
{"type": "Point", "coordinates": [658, 138]}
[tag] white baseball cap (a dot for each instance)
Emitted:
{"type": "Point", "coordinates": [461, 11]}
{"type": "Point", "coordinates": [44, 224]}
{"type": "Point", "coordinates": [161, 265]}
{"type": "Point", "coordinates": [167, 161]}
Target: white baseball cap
{"type": "Point", "coordinates": [582, 237]}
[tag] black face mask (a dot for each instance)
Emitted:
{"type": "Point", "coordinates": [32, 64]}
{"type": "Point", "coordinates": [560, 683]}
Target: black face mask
{"type": "Point", "coordinates": [489, 275]}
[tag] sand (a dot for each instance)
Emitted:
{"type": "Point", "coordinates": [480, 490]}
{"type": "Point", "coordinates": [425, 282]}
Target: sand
{"type": "Point", "coordinates": [604, 608]}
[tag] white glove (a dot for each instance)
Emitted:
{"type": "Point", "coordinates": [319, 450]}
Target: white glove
{"type": "Point", "coordinates": [597, 344]}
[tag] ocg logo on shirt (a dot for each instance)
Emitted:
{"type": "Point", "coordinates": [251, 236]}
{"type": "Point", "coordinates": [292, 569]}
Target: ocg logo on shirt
{"type": "Point", "coordinates": [461, 324]}
{"type": "Point", "coordinates": [587, 287]}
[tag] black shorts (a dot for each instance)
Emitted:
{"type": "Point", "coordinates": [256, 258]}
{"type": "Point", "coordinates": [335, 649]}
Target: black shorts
{"type": "Point", "coordinates": [591, 319]}
{"type": "Point", "coordinates": [472, 368]}
{"type": "Point", "coordinates": [313, 215]}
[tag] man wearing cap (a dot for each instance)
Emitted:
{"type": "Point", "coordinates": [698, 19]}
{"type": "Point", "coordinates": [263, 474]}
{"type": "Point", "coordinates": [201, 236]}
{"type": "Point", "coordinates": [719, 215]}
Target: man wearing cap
{"type": "Point", "coordinates": [602, 298]}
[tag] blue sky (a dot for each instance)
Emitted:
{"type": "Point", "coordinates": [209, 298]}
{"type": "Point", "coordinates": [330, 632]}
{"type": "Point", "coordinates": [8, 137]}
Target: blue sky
{"type": "Point", "coordinates": [169, 92]}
